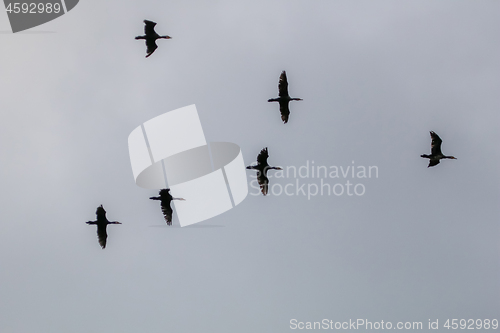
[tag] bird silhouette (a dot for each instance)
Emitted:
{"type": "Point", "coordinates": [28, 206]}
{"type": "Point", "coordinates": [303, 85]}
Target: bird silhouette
{"type": "Point", "coordinates": [284, 98]}
{"type": "Point", "coordinates": [165, 200]}
{"type": "Point", "coordinates": [151, 36]}
{"type": "Point", "coordinates": [262, 167]}
{"type": "Point", "coordinates": [436, 153]}
{"type": "Point", "coordinates": [102, 222]}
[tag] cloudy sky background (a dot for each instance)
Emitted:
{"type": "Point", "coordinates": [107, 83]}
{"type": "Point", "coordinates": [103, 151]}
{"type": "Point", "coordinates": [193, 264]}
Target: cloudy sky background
{"type": "Point", "coordinates": [375, 76]}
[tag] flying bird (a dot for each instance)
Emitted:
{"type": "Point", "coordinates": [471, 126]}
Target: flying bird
{"type": "Point", "coordinates": [262, 167]}
{"type": "Point", "coordinates": [151, 36]}
{"type": "Point", "coordinates": [165, 199]}
{"type": "Point", "coordinates": [436, 153]}
{"type": "Point", "coordinates": [283, 98]}
{"type": "Point", "coordinates": [102, 222]}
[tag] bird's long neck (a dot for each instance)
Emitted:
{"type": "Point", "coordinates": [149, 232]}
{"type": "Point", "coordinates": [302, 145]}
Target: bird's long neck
{"type": "Point", "coordinates": [295, 99]}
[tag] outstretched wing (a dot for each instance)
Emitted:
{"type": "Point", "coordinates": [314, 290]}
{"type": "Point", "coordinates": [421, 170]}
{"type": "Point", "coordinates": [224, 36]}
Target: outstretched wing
{"type": "Point", "coordinates": [149, 27]}
{"type": "Point", "coordinates": [151, 45]}
{"type": "Point", "coordinates": [167, 211]}
{"type": "Point", "coordinates": [435, 144]}
{"type": "Point", "coordinates": [102, 235]}
{"type": "Point", "coordinates": [285, 111]}
{"type": "Point", "coordinates": [283, 85]}
{"type": "Point", "coordinates": [262, 158]}
{"type": "Point", "coordinates": [263, 182]}
{"type": "Point", "coordinates": [433, 162]}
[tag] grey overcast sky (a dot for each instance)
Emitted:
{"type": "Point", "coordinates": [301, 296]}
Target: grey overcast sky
{"type": "Point", "coordinates": [376, 76]}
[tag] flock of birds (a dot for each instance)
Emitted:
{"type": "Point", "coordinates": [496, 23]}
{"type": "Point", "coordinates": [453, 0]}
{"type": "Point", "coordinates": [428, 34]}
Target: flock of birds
{"type": "Point", "coordinates": [262, 166]}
